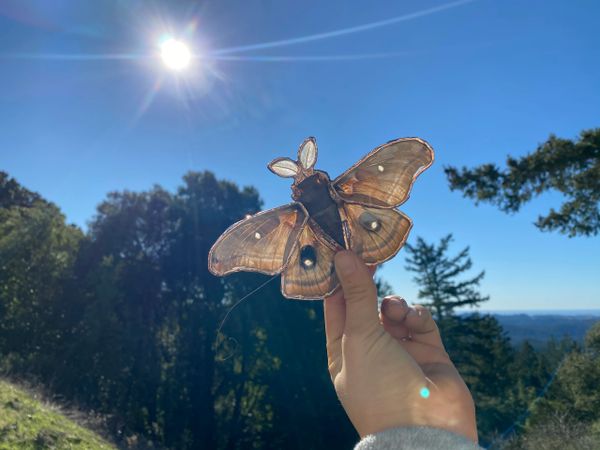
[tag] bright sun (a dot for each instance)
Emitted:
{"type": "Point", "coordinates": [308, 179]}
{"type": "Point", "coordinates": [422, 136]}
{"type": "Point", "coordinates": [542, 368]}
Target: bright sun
{"type": "Point", "coordinates": [175, 54]}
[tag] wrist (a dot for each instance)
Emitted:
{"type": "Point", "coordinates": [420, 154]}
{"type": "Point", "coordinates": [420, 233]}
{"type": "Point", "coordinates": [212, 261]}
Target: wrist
{"type": "Point", "coordinates": [459, 418]}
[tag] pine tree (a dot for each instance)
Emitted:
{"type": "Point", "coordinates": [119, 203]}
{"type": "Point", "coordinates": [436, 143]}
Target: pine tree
{"type": "Point", "coordinates": [481, 351]}
{"type": "Point", "coordinates": [437, 273]}
{"type": "Point", "coordinates": [563, 165]}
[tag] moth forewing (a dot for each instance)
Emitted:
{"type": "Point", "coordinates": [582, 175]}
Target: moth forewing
{"type": "Point", "coordinates": [261, 243]}
{"type": "Point", "coordinates": [385, 176]}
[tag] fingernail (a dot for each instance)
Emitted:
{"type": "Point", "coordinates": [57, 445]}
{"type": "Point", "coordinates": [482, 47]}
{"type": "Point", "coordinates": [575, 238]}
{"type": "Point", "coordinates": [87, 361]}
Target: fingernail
{"type": "Point", "coordinates": [394, 297]}
{"type": "Point", "coordinates": [345, 263]}
{"type": "Point", "coordinates": [413, 312]}
{"type": "Point", "coordinates": [397, 302]}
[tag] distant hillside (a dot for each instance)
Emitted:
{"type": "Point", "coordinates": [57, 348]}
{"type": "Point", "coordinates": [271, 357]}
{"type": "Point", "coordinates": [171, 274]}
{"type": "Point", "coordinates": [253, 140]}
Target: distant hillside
{"type": "Point", "coordinates": [26, 423]}
{"type": "Point", "coordinates": [537, 329]}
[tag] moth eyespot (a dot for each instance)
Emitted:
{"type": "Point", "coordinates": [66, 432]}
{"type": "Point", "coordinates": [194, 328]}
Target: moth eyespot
{"type": "Point", "coordinates": [308, 257]}
{"type": "Point", "coordinates": [369, 221]}
{"type": "Point", "coordinates": [257, 235]}
{"type": "Point", "coordinates": [380, 168]}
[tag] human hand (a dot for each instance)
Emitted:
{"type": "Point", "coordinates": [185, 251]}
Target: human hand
{"type": "Point", "coordinates": [390, 370]}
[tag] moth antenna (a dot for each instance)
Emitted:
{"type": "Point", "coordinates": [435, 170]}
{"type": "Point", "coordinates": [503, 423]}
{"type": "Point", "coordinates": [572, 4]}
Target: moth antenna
{"type": "Point", "coordinates": [284, 167]}
{"type": "Point", "coordinates": [307, 154]}
{"type": "Point", "coordinates": [232, 308]}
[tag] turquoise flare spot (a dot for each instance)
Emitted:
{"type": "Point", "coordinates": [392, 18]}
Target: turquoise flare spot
{"type": "Point", "coordinates": [424, 392]}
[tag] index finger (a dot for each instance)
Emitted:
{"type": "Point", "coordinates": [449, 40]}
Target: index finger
{"type": "Point", "coordinates": [334, 310]}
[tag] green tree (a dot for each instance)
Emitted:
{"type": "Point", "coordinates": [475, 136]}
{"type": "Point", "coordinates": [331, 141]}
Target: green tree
{"type": "Point", "coordinates": [116, 353]}
{"type": "Point", "coordinates": [14, 194]}
{"type": "Point", "coordinates": [437, 273]}
{"type": "Point", "coordinates": [555, 350]}
{"type": "Point", "coordinates": [203, 207]}
{"type": "Point", "coordinates": [567, 415]}
{"type": "Point", "coordinates": [126, 324]}
{"type": "Point", "coordinates": [37, 252]}
{"type": "Point", "coordinates": [476, 343]}
{"type": "Point", "coordinates": [574, 391]}
{"type": "Point", "coordinates": [482, 353]}
{"type": "Point", "coordinates": [559, 432]}
{"type": "Point", "coordinates": [592, 340]}
{"type": "Point", "coordinates": [531, 371]}
{"type": "Point", "coordinates": [571, 167]}
{"type": "Point", "coordinates": [299, 394]}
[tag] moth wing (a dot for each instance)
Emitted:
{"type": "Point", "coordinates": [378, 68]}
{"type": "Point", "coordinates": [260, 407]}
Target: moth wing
{"type": "Point", "coordinates": [261, 243]}
{"type": "Point", "coordinates": [375, 234]}
{"type": "Point", "coordinates": [314, 280]}
{"type": "Point", "coordinates": [385, 176]}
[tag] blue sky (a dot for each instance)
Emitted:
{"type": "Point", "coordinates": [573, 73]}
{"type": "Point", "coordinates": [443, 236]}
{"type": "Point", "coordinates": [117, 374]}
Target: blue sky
{"type": "Point", "coordinates": [479, 81]}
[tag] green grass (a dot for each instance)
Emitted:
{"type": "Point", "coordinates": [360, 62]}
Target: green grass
{"type": "Point", "coordinates": [27, 423]}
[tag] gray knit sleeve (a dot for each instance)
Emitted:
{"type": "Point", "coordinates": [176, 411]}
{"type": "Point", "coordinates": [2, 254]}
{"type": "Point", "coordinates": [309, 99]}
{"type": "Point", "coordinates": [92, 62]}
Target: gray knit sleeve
{"type": "Point", "coordinates": [416, 438]}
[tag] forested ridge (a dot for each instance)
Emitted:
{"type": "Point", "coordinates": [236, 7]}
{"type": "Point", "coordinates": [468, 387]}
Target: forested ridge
{"type": "Point", "coordinates": [122, 320]}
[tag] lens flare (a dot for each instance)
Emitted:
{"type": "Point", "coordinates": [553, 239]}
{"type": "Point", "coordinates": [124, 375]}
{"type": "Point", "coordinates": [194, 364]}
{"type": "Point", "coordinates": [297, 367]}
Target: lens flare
{"type": "Point", "coordinates": [424, 392]}
{"type": "Point", "coordinates": [175, 54]}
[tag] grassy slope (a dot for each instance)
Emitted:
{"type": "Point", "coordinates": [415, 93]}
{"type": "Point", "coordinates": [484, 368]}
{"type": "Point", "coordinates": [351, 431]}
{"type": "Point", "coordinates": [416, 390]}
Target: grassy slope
{"type": "Point", "coordinates": [26, 423]}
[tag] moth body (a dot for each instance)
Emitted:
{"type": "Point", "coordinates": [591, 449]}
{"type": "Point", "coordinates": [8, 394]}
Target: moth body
{"type": "Point", "coordinates": [315, 194]}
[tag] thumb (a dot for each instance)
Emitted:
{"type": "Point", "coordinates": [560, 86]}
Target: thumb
{"type": "Point", "coordinates": [359, 291]}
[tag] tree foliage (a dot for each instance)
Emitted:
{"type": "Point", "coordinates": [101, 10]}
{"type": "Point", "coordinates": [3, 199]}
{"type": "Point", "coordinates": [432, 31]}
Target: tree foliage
{"type": "Point", "coordinates": [437, 273]}
{"type": "Point", "coordinates": [567, 415]}
{"type": "Point", "coordinates": [559, 432]}
{"type": "Point", "coordinates": [13, 194]}
{"type": "Point", "coordinates": [482, 353]}
{"type": "Point", "coordinates": [574, 392]}
{"type": "Point", "coordinates": [570, 167]}
{"type": "Point", "coordinates": [37, 254]}
{"type": "Point", "coordinates": [123, 320]}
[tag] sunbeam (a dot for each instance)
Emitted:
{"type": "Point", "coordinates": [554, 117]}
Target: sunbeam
{"type": "Point", "coordinates": [308, 58]}
{"type": "Point", "coordinates": [342, 31]}
{"type": "Point", "coordinates": [209, 57]}
{"type": "Point", "coordinates": [147, 101]}
{"type": "Point", "coordinates": [77, 56]}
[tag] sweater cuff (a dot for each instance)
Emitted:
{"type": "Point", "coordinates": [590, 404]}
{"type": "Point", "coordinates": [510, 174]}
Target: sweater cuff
{"type": "Point", "coordinates": [416, 438]}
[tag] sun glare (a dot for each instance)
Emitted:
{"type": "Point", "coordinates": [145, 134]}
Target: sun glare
{"type": "Point", "coordinates": [175, 54]}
